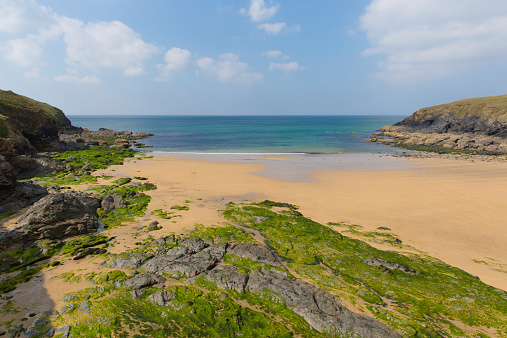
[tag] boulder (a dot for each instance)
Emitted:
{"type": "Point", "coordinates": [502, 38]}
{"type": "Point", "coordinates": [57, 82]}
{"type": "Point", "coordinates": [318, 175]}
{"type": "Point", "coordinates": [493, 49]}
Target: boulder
{"type": "Point", "coordinates": [19, 196]}
{"type": "Point", "coordinates": [256, 252]}
{"type": "Point", "coordinates": [374, 261]}
{"type": "Point", "coordinates": [113, 201]}
{"type": "Point", "coordinates": [131, 261]}
{"type": "Point", "coordinates": [161, 297]}
{"type": "Point", "coordinates": [60, 215]}
{"type": "Point", "coordinates": [144, 280]}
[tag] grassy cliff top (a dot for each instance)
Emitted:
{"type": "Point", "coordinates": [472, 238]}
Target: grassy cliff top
{"type": "Point", "coordinates": [486, 108]}
{"type": "Point", "coordinates": [19, 107]}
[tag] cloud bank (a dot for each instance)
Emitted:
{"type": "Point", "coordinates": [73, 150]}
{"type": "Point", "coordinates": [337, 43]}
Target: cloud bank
{"type": "Point", "coordinates": [424, 39]}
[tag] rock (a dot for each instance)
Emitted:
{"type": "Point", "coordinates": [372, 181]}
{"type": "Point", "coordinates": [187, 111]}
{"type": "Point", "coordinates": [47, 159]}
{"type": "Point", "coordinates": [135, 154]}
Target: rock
{"type": "Point", "coordinates": [19, 196]}
{"type": "Point", "coordinates": [113, 201]}
{"type": "Point", "coordinates": [153, 226]}
{"type": "Point", "coordinates": [194, 244]}
{"type": "Point", "coordinates": [7, 174]}
{"type": "Point", "coordinates": [137, 293]}
{"type": "Point", "coordinates": [144, 280]}
{"type": "Point", "coordinates": [59, 215]}
{"type": "Point", "coordinates": [318, 307]}
{"type": "Point", "coordinates": [256, 252]}
{"type": "Point", "coordinates": [132, 261]}
{"type": "Point", "coordinates": [390, 265]}
{"type": "Point", "coordinates": [89, 251]}
{"type": "Point", "coordinates": [30, 125]}
{"type": "Point", "coordinates": [476, 125]}
{"type": "Point", "coordinates": [226, 277]}
{"type": "Point", "coordinates": [161, 297]}
{"type": "Point", "coordinates": [121, 143]}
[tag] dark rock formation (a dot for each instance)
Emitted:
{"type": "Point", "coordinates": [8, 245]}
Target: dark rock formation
{"type": "Point", "coordinates": [374, 261]}
{"type": "Point", "coordinates": [196, 259]}
{"type": "Point", "coordinates": [113, 201]}
{"type": "Point", "coordinates": [56, 216]}
{"type": "Point", "coordinates": [19, 196]}
{"type": "Point", "coordinates": [318, 307]}
{"type": "Point", "coordinates": [132, 261]}
{"type": "Point", "coordinates": [256, 252]}
{"type": "Point", "coordinates": [476, 125]}
{"type": "Point", "coordinates": [161, 297]}
{"type": "Point", "coordinates": [144, 280]}
{"type": "Point", "coordinates": [30, 124]}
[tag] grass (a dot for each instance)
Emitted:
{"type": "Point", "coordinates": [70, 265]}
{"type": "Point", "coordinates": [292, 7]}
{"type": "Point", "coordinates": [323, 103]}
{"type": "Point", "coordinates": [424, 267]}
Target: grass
{"type": "Point", "coordinates": [430, 303]}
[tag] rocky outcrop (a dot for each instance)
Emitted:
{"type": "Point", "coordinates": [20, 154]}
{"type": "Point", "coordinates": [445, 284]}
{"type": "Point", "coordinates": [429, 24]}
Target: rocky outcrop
{"type": "Point", "coordinates": [55, 216]}
{"type": "Point", "coordinates": [476, 125]}
{"type": "Point", "coordinates": [30, 124]}
{"type": "Point", "coordinates": [19, 196]}
{"type": "Point", "coordinates": [82, 138]}
{"type": "Point", "coordinates": [374, 261]}
{"type": "Point", "coordinates": [196, 259]}
{"type": "Point", "coordinates": [113, 201]}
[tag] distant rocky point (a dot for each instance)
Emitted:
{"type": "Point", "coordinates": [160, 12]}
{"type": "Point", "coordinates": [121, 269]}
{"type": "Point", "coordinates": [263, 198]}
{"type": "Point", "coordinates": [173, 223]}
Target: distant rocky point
{"type": "Point", "coordinates": [477, 125]}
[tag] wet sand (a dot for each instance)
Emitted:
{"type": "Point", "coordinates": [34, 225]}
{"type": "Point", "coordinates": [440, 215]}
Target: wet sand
{"type": "Point", "coordinates": [454, 210]}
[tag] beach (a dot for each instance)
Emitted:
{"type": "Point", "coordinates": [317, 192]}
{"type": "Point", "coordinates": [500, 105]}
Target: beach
{"type": "Point", "coordinates": [450, 209]}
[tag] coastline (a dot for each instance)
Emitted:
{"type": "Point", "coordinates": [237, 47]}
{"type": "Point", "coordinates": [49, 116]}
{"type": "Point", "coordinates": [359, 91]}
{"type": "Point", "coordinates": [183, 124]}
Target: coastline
{"type": "Point", "coordinates": [451, 210]}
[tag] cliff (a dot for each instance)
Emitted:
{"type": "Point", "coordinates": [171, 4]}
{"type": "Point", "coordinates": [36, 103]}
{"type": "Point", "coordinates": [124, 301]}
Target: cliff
{"type": "Point", "coordinates": [477, 125]}
{"type": "Point", "coordinates": [483, 115]}
{"type": "Point", "coordinates": [30, 125]}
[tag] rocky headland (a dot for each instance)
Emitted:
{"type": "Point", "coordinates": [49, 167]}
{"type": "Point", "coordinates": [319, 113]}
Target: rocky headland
{"type": "Point", "coordinates": [473, 126]}
{"type": "Point", "coordinates": [30, 129]}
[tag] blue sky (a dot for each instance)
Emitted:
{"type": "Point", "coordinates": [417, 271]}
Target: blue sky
{"type": "Point", "coordinates": [255, 57]}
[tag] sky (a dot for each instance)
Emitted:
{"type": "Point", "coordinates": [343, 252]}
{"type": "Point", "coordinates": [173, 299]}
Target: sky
{"type": "Point", "coordinates": [252, 57]}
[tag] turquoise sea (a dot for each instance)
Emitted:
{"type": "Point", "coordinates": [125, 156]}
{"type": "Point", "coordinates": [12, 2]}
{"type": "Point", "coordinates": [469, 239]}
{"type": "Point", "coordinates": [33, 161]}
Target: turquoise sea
{"type": "Point", "coordinates": [249, 134]}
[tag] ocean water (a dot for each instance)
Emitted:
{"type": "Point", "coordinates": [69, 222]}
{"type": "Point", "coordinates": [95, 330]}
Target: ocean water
{"type": "Point", "coordinates": [250, 134]}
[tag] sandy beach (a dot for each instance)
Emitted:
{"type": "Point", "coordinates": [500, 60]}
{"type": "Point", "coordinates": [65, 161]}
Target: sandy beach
{"type": "Point", "coordinates": [451, 209]}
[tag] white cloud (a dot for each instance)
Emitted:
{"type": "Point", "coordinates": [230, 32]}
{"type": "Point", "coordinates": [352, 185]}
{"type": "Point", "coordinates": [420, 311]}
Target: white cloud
{"type": "Point", "coordinates": [430, 38]}
{"type": "Point", "coordinates": [106, 45]}
{"type": "Point", "coordinates": [273, 54]}
{"type": "Point", "coordinates": [19, 16]}
{"type": "Point", "coordinates": [272, 28]}
{"type": "Point", "coordinates": [289, 67]}
{"type": "Point", "coordinates": [258, 11]}
{"type": "Point", "coordinates": [73, 76]}
{"type": "Point", "coordinates": [228, 68]}
{"type": "Point", "coordinates": [24, 52]}
{"type": "Point", "coordinates": [176, 59]}
{"type": "Point", "coordinates": [97, 45]}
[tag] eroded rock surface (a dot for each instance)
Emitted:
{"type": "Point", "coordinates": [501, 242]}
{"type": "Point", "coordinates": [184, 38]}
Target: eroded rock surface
{"type": "Point", "coordinates": [195, 259]}
{"type": "Point", "coordinates": [58, 216]}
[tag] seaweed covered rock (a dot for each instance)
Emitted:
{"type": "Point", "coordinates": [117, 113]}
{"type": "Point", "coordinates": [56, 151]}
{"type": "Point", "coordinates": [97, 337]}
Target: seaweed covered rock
{"type": "Point", "coordinates": [256, 252]}
{"type": "Point", "coordinates": [144, 280]}
{"type": "Point", "coordinates": [320, 309]}
{"type": "Point", "coordinates": [113, 201]}
{"type": "Point", "coordinates": [60, 215]}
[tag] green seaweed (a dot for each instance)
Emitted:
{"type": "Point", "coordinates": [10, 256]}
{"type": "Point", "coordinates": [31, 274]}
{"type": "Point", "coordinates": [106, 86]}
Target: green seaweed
{"type": "Point", "coordinates": [222, 233]}
{"type": "Point", "coordinates": [423, 304]}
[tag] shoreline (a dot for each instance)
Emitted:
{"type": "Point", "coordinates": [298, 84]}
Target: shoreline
{"type": "Point", "coordinates": [450, 210]}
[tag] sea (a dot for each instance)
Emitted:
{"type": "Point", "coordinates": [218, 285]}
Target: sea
{"type": "Point", "coordinates": [249, 134]}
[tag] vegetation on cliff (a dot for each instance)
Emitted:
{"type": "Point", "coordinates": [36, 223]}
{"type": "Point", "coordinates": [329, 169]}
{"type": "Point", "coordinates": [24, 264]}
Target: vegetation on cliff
{"type": "Point", "coordinates": [472, 126]}
{"type": "Point", "coordinates": [30, 123]}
